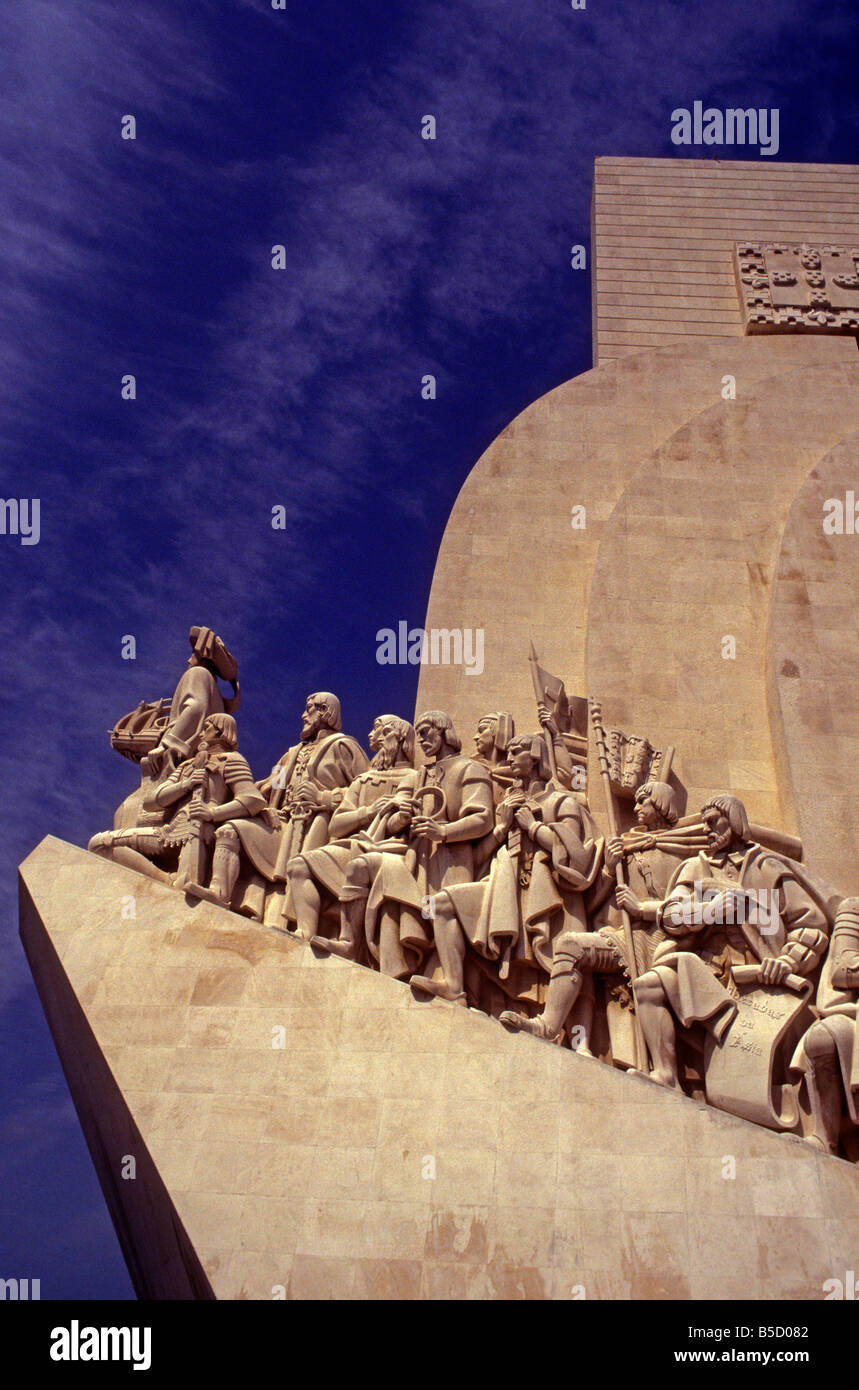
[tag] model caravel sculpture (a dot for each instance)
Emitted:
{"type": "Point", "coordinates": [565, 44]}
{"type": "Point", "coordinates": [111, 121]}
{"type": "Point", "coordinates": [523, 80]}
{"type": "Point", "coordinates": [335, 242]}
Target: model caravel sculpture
{"type": "Point", "coordinates": [697, 949]}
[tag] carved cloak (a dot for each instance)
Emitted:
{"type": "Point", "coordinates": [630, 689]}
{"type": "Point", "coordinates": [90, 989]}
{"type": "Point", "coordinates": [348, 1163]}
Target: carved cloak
{"type": "Point", "coordinates": [334, 762]}
{"type": "Point", "coordinates": [515, 917]}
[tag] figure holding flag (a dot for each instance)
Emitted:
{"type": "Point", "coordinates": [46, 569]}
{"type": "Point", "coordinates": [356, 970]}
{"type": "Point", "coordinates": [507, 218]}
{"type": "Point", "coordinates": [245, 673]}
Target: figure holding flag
{"type": "Point", "coordinates": [564, 722]}
{"type": "Point", "coordinates": [651, 853]}
{"type": "Point", "coordinates": [543, 855]}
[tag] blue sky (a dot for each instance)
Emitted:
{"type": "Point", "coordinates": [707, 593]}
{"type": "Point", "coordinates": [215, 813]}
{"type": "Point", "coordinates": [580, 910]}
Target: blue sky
{"type": "Point", "coordinates": [298, 387]}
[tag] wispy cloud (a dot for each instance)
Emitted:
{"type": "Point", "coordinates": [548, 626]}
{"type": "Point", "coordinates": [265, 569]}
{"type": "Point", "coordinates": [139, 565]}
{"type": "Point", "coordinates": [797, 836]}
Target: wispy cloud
{"type": "Point", "coordinates": [256, 386]}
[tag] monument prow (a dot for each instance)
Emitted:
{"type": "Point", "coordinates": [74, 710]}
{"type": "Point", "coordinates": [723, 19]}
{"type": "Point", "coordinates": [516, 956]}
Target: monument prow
{"type": "Point", "coordinates": [389, 1148]}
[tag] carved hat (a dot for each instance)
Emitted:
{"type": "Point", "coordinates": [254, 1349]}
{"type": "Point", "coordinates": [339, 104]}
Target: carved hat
{"type": "Point", "coordinates": [535, 745]}
{"type": "Point", "coordinates": [504, 727]}
{"type": "Point", "coordinates": [208, 645]}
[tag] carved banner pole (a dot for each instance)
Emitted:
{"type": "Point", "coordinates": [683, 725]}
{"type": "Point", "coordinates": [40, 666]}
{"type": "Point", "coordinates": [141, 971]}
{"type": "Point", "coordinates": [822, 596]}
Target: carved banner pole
{"type": "Point", "coordinates": [540, 694]}
{"type": "Point", "coordinates": [639, 1049]}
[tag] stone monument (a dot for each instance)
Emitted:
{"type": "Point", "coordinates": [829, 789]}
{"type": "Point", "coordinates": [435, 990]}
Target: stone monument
{"type": "Point", "coordinates": [573, 1016]}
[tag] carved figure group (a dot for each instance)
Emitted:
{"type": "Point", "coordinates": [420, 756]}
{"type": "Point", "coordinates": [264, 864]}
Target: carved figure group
{"type": "Point", "coordinates": [695, 949]}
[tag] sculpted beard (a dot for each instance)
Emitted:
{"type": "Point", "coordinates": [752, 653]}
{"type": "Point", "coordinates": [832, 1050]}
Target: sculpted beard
{"type": "Point", "coordinates": [387, 753]}
{"type": "Point", "coordinates": [720, 842]}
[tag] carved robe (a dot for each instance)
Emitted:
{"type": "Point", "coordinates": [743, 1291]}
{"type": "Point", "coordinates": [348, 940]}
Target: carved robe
{"type": "Point", "coordinates": [331, 763]}
{"type": "Point", "coordinates": [196, 697]}
{"type": "Point", "coordinates": [229, 778]}
{"type": "Point", "coordinates": [401, 879]}
{"type": "Point", "coordinates": [694, 967]}
{"type": "Point", "coordinates": [648, 874]}
{"type": "Point", "coordinates": [515, 918]}
{"type": "Point", "coordinates": [329, 863]}
{"type": "Point", "coordinates": [838, 1007]}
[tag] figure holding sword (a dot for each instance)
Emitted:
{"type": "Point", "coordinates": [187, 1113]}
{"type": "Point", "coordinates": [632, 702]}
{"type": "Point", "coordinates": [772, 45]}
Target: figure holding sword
{"type": "Point", "coordinates": [303, 790]}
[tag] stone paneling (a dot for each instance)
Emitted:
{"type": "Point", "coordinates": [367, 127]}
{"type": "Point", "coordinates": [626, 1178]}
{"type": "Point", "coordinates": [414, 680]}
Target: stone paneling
{"type": "Point", "coordinates": [814, 660]}
{"type": "Point", "coordinates": [390, 1149]}
{"type": "Point", "coordinates": [687, 558]}
{"type": "Point", "coordinates": [511, 563]}
{"type": "Point", "coordinates": [665, 218]}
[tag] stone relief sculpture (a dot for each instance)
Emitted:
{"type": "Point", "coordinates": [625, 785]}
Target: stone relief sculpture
{"type": "Point", "coordinates": [734, 914]}
{"type": "Point", "coordinates": [162, 733]}
{"type": "Point", "coordinates": [789, 288]}
{"type": "Point", "coordinates": [493, 734]}
{"type": "Point", "coordinates": [388, 888]}
{"type": "Point", "coordinates": [543, 853]}
{"type": "Point", "coordinates": [213, 786]}
{"type": "Point", "coordinates": [302, 791]}
{"type": "Point", "coordinates": [360, 823]}
{"type": "Point", "coordinates": [828, 1055]}
{"type": "Point", "coordinates": [651, 859]}
{"type": "Point", "coordinates": [695, 949]}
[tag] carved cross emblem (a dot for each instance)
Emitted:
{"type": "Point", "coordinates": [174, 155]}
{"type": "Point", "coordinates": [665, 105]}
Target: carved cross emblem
{"type": "Point", "coordinates": [790, 288]}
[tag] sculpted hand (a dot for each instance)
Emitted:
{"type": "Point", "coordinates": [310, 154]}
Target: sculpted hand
{"type": "Point", "coordinates": [526, 819]}
{"type": "Point", "coordinates": [719, 907]}
{"type": "Point", "coordinates": [426, 829]}
{"type": "Point", "coordinates": [307, 796]}
{"type": "Point", "coordinates": [504, 816]}
{"type": "Point", "coordinates": [625, 898]}
{"type": "Point", "coordinates": [196, 777]}
{"type": "Point", "coordinates": [201, 810]}
{"type": "Point", "coordinates": [384, 806]}
{"type": "Point", "coordinates": [274, 782]}
{"type": "Point", "coordinates": [678, 917]}
{"type": "Point", "coordinates": [845, 975]}
{"type": "Point", "coordinates": [613, 852]}
{"type": "Point", "coordinates": [774, 972]}
{"type": "Point", "coordinates": [547, 720]}
{"type": "Point", "coordinates": [152, 764]}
